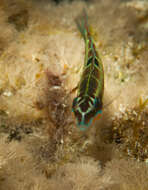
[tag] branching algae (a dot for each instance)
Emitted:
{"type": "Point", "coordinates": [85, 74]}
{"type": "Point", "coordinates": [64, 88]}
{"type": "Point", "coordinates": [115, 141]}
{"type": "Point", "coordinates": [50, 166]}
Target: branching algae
{"type": "Point", "coordinates": [88, 102]}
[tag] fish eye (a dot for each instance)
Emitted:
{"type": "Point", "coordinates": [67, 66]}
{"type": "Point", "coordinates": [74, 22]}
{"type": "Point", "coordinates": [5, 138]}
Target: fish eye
{"type": "Point", "coordinates": [97, 103]}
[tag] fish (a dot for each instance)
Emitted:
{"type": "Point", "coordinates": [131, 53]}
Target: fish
{"type": "Point", "coordinates": [88, 103]}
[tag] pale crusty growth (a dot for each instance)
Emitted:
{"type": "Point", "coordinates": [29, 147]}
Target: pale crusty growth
{"type": "Point", "coordinates": [19, 169]}
{"type": "Point", "coordinates": [35, 48]}
{"type": "Point", "coordinates": [48, 39]}
{"type": "Point", "coordinates": [84, 174]}
{"type": "Point", "coordinates": [15, 165]}
{"type": "Point", "coordinates": [41, 59]}
{"type": "Point", "coordinates": [128, 174]}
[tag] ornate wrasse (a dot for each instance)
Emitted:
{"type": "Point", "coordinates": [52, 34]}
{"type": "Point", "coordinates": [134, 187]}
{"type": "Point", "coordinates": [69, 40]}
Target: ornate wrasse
{"type": "Point", "coordinates": [88, 102]}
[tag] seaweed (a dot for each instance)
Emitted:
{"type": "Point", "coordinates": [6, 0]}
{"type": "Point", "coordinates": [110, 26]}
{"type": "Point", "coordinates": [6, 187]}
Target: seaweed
{"type": "Point", "coordinates": [130, 132]}
{"type": "Point", "coordinates": [56, 100]}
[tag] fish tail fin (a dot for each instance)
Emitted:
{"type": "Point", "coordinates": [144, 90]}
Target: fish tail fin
{"type": "Point", "coordinates": [82, 24]}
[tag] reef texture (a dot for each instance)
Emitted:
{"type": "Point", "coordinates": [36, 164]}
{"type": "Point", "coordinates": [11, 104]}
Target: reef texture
{"type": "Point", "coordinates": [41, 61]}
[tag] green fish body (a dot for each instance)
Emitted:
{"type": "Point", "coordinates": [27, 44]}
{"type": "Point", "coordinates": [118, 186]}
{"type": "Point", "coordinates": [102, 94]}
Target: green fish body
{"type": "Point", "coordinates": [88, 102]}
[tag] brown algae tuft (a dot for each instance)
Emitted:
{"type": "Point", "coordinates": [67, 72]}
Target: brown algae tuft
{"type": "Point", "coordinates": [130, 132]}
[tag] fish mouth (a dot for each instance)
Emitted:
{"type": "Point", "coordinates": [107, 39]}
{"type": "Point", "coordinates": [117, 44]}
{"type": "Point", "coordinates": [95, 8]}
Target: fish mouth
{"type": "Point", "coordinates": [84, 123]}
{"type": "Point", "coordinates": [84, 126]}
{"type": "Point", "coordinates": [85, 112]}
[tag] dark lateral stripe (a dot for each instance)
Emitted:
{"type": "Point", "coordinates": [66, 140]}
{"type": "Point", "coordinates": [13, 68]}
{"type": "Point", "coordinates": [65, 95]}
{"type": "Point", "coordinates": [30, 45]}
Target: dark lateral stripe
{"type": "Point", "coordinates": [93, 84]}
{"type": "Point", "coordinates": [95, 72]}
{"type": "Point", "coordinates": [86, 71]}
{"type": "Point", "coordinates": [83, 85]}
{"type": "Point", "coordinates": [90, 52]}
{"type": "Point", "coordinates": [90, 61]}
{"type": "Point", "coordinates": [90, 69]}
{"type": "Point", "coordinates": [88, 77]}
{"type": "Point", "coordinates": [96, 62]}
{"type": "Point", "coordinates": [89, 81]}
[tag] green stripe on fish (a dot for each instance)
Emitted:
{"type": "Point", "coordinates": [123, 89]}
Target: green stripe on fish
{"type": "Point", "coordinates": [88, 102]}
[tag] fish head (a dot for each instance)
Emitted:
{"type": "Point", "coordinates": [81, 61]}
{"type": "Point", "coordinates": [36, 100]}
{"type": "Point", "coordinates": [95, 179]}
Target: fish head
{"type": "Point", "coordinates": [85, 109]}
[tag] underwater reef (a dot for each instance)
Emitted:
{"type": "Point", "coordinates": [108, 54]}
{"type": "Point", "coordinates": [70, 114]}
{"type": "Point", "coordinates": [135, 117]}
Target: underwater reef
{"type": "Point", "coordinates": [41, 62]}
